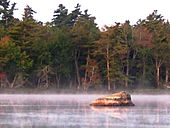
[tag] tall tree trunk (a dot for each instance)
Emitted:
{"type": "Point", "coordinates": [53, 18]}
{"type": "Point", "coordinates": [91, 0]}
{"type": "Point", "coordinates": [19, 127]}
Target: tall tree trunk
{"type": "Point", "coordinates": [47, 81]}
{"type": "Point", "coordinates": [86, 69]}
{"type": "Point", "coordinates": [92, 74]}
{"type": "Point", "coordinates": [77, 69]}
{"type": "Point", "coordinates": [70, 84]}
{"type": "Point", "coordinates": [108, 68]}
{"type": "Point", "coordinates": [58, 80]}
{"type": "Point", "coordinates": [157, 74]}
{"type": "Point", "coordinates": [127, 69]}
{"type": "Point", "coordinates": [14, 80]}
{"type": "Point", "coordinates": [127, 61]}
{"type": "Point", "coordinates": [144, 70]}
{"type": "Point", "coordinates": [38, 84]}
{"type": "Point", "coordinates": [167, 75]}
{"type": "Point", "coordinates": [114, 86]}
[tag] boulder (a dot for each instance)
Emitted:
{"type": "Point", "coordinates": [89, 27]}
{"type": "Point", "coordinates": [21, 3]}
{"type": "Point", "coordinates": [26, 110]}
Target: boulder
{"type": "Point", "coordinates": [116, 99]}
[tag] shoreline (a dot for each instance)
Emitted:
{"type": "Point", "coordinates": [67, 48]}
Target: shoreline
{"type": "Point", "coordinates": [71, 91]}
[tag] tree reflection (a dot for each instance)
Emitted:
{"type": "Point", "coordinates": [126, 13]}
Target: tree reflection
{"type": "Point", "coordinates": [74, 111]}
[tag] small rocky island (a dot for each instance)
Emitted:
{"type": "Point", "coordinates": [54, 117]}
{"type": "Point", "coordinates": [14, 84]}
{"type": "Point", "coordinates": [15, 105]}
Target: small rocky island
{"type": "Point", "coordinates": [116, 99]}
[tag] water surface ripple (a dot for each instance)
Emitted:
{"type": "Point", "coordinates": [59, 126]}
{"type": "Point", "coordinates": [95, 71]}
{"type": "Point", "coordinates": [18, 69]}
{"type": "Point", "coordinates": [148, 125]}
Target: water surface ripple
{"type": "Point", "coordinates": [73, 111]}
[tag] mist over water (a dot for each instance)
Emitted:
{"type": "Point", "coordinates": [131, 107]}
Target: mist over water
{"type": "Point", "coordinates": [73, 111]}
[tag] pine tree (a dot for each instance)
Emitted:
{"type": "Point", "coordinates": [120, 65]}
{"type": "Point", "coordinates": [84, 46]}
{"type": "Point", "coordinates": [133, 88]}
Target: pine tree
{"type": "Point", "coordinates": [84, 34]}
{"type": "Point", "coordinates": [74, 15]}
{"type": "Point", "coordinates": [28, 13]}
{"type": "Point", "coordinates": [157, 26]}
{"type": "Point", "coordinates": [6, 12]}
{"type": "Point", "coordinates": [60, 17]}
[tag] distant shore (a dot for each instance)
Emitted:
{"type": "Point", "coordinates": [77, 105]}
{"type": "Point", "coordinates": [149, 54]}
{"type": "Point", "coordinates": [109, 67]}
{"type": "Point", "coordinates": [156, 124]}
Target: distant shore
{"type": "Point", "coordinates": [71, 91]}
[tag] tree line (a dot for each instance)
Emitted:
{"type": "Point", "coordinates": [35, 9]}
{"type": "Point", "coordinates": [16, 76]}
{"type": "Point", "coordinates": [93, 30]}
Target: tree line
{"type": "Point", "coordinates": [71, 51]}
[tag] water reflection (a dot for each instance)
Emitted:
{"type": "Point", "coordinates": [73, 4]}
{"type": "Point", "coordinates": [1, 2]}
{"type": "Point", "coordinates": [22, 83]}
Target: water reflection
{"type": "Point", "coordinates": [73, 111]}
{"type": "Point", "coordinates": [150, 111]}
{"type": "Point", "coordinates": [117, 113]}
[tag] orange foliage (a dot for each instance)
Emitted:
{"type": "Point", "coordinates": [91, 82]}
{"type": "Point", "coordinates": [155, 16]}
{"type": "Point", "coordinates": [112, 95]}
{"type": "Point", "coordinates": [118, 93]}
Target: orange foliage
{"type": "Point", "coordinates": [93, 72]}
{"type": "Point", "coordinates": [4, 40]}
{"type": "Point", "coordinates": [143, 37]}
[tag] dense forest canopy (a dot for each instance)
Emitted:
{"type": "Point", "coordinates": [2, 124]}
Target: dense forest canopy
{"type": "Point", "coordinates": [70, 51]}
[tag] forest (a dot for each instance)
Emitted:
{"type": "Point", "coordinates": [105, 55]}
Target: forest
{"type": "Point", "coordinates": [70, 51]}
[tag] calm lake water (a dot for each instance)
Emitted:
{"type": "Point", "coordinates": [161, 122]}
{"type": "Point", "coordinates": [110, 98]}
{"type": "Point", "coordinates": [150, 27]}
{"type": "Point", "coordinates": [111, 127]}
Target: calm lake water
{"type": "Point", "coordinates": [73, 111]}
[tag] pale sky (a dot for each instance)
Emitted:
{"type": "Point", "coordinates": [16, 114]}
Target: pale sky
{"type": "Point", "coordinates": [107, 12]}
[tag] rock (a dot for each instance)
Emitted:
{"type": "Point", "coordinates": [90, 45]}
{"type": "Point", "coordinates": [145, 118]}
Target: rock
{"type": "Point", "coordinates": [116, 99]}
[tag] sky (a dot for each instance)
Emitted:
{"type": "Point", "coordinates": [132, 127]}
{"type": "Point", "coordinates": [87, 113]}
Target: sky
{"type": "Point", "coordinates": [107, 12]}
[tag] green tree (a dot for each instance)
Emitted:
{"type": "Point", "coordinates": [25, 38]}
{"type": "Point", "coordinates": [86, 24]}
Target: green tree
{"type": "Point", "coordinates": [127, 38]}
{"type": "Point", "coordinates": [25, 32]}
{"type": "Point", "coordinates": [157, 26]}
{"type": "Point", "coordinates": [112, 47]}
{"type": "Point", "coordinates": [6, 12]}
{"type": "Point", "coordinates": [63, 19]}
{"type": "Point", "coordinates": [84, 34]}
{"type": "Point", "coordinates": [74, 15]}
{"type": "Point", "coordinates": [13, 60]}
{"type": "Point", "coordinates": [60, 17]}
{"type": "Point", "coordinates": [28, 13]}
{"type": "Point", "coordinates": [142, 45]}
{"type": "Point", "coordinates": [62, 54]}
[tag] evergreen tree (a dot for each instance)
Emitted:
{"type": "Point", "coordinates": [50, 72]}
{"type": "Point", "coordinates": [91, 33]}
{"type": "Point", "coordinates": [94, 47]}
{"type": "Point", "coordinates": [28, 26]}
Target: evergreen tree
{"type": "Point", "coordinates": [28, 13]}
{"type": "Point", "coordinates": [60, 17]}
{"type": "Point", "coordinates": [112, 48]}
{"type": "Point", "coordinates": [6, 12]}
{"type": "Point", "coordinates": [142, 48]}
{"type": "Point", "coordinates": [62, 53]}
{"type": "Point", "coordinates": [74, 15]}
{"type": "Point", "coordinates": [13, 60]}
{"type": "Point", "coordinates": [24, 33]}
{"type": "Point", "coordinates": [157, 26]}
{"type": "Point", "coordinates": [84, 34]}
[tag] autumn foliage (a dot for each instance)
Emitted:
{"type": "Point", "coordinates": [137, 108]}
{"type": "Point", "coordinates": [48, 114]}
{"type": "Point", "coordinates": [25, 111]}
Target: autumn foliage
{"type": "Point", "coordinates": [72, 52]}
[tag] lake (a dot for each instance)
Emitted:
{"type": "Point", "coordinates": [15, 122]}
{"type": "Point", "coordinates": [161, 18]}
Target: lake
{"type": "Point", "coordinates": [73, 111]}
